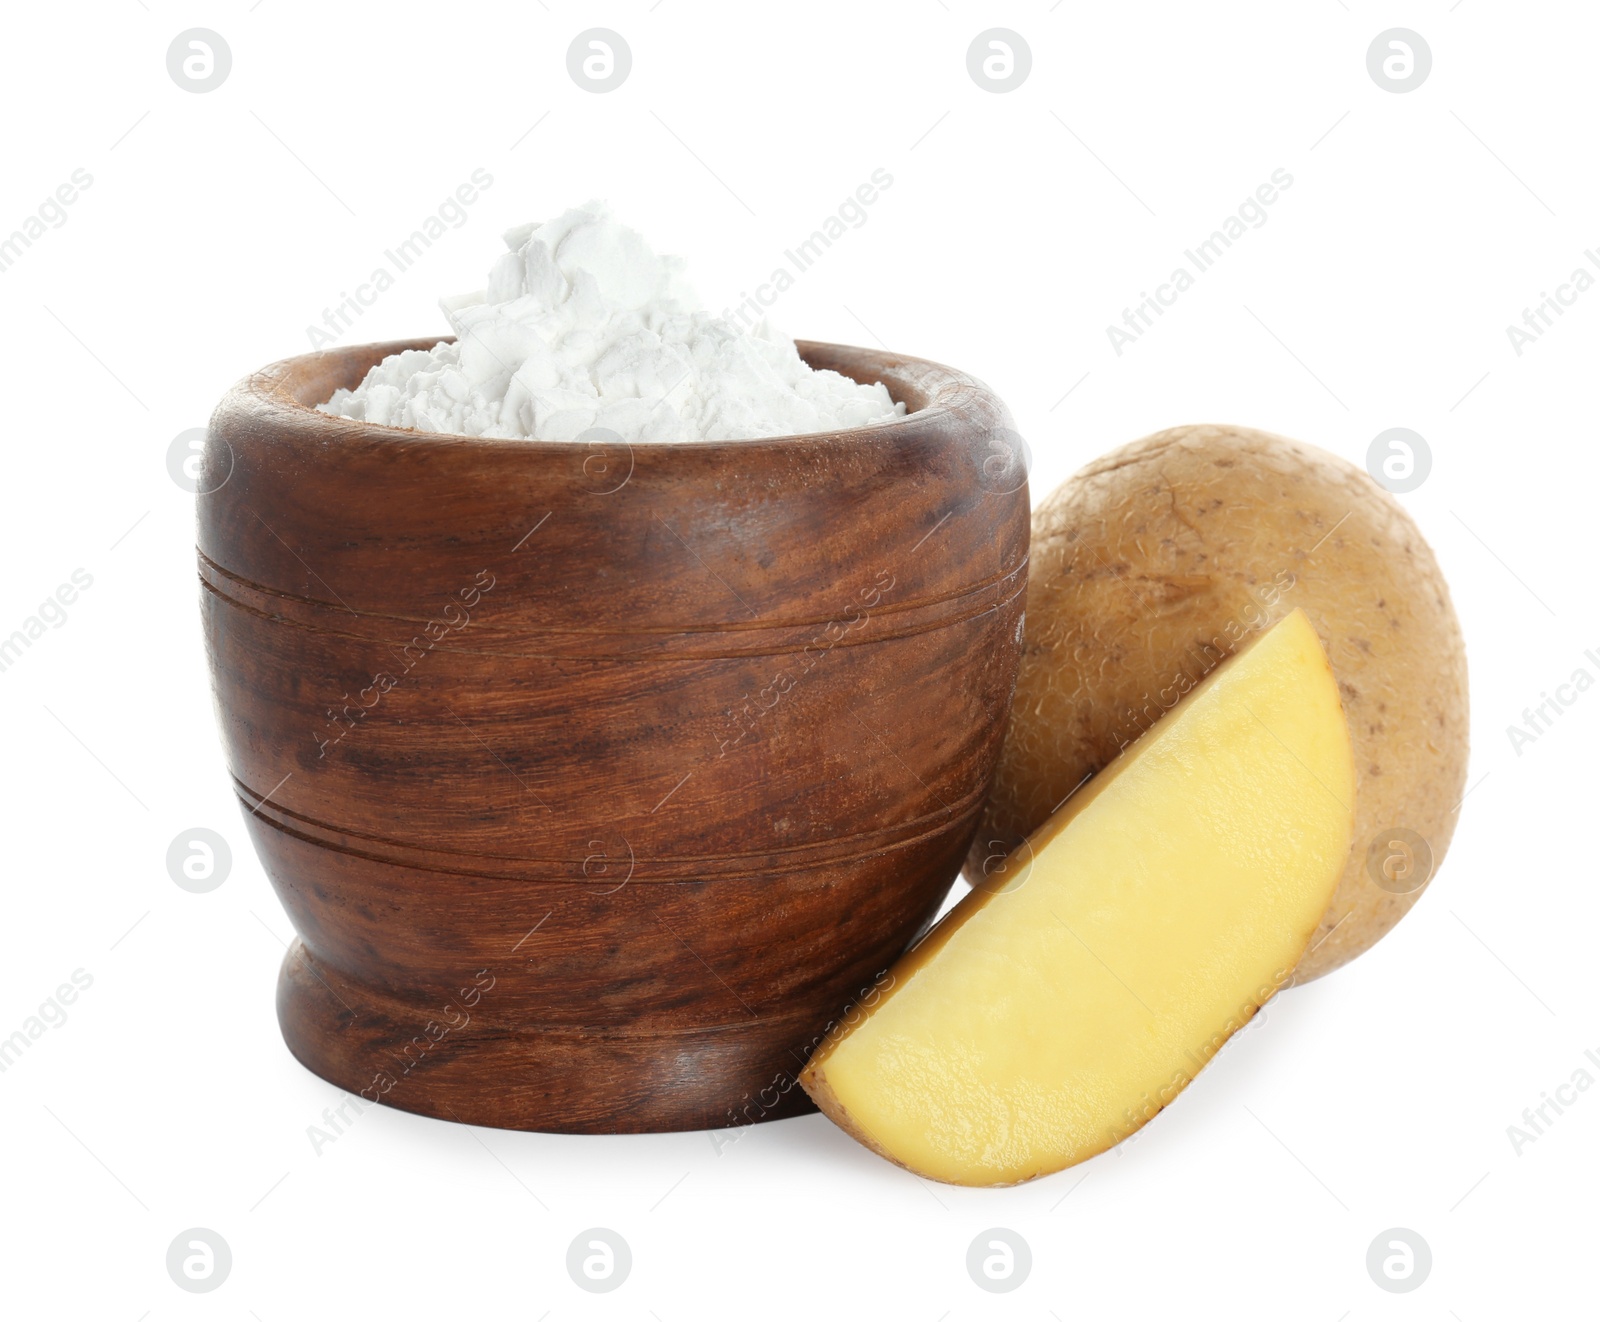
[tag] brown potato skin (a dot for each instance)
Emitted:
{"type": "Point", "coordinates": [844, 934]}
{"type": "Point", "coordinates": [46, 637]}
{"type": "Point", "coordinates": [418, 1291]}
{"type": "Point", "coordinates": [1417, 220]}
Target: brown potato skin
{"type": "Point", "coordinates": [1153, 562]}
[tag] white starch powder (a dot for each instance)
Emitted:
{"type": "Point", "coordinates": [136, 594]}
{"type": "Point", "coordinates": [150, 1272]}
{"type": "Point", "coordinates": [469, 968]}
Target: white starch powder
{"type": "Point", "coordinates": [583, 326]}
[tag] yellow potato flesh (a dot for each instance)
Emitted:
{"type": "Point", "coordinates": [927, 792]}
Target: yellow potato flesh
{"type": "Point", "coordinates": [1066, 1001]}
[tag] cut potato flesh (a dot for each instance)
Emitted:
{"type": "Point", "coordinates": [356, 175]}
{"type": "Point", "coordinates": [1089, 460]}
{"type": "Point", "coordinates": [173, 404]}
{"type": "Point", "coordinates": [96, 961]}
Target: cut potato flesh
{"type": "Point", "coordinates": [1074, 993]}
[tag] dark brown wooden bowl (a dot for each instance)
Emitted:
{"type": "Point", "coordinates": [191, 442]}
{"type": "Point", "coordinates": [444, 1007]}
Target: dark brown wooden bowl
{"type": "Point", "coordinates": [598, 780]}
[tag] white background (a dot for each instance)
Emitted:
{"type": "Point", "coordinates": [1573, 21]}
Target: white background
{"type": "Point", "coordinates": [218, 226]}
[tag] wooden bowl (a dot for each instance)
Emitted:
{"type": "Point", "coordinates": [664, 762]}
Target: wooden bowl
{"type": "Point", "coordinates": [598, 780]}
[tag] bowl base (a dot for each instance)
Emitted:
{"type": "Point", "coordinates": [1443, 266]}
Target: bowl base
{"type": "Point", "coordinates": [569, 1079]}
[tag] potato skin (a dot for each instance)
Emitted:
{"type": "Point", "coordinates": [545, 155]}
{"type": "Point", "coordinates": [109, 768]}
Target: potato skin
{"type": "Point", "coordinates": [1152, 563]}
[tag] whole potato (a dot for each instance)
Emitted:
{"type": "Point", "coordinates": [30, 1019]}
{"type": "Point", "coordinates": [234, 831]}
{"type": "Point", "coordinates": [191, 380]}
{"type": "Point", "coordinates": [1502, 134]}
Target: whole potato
{"type": "Point", "coordinates": [1153, 563]}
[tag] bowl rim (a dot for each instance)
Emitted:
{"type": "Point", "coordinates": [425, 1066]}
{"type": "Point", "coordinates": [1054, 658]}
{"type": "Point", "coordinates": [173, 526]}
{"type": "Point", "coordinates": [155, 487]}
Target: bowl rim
{"type": "Point", "coordinates": [947, 395]}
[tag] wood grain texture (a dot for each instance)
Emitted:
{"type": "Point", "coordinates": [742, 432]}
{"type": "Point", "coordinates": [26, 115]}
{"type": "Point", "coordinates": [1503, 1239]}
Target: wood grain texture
{"type": "Point", "coordinates": [597, 780]}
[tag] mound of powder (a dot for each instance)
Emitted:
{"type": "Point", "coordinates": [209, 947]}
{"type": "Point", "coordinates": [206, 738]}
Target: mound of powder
{"type": "Point", "coordinates": [582, 326]}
